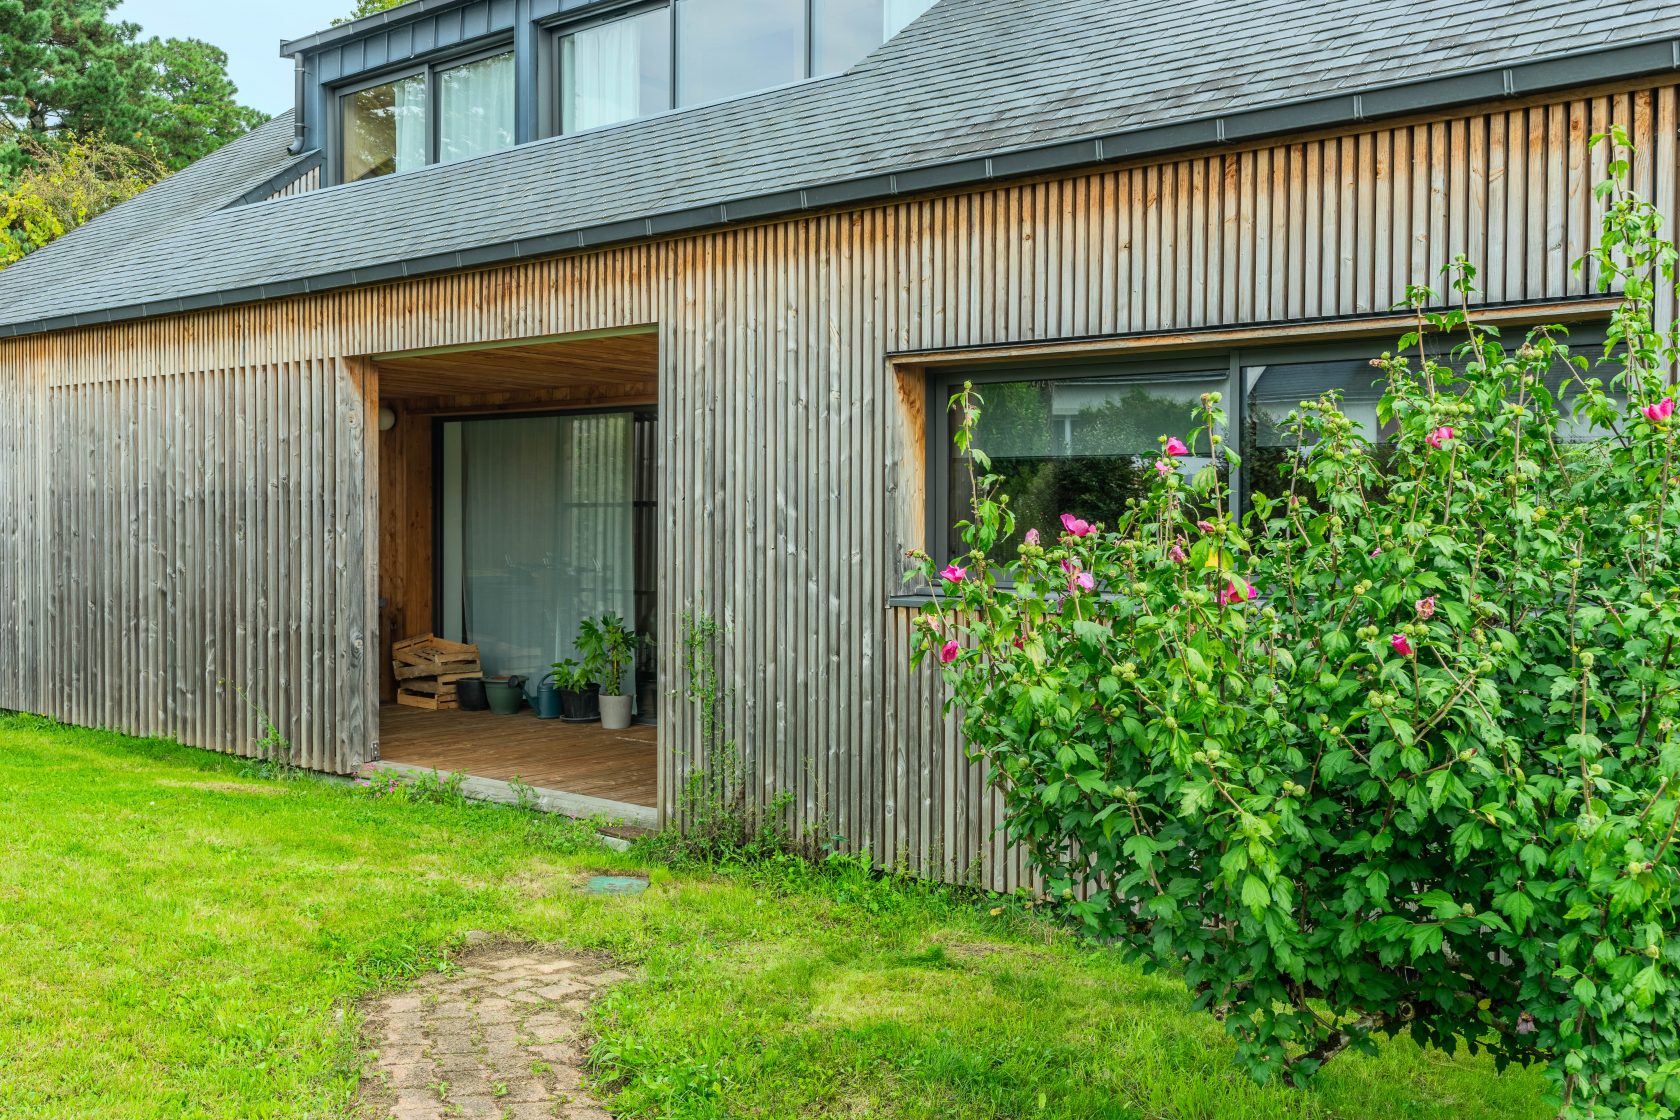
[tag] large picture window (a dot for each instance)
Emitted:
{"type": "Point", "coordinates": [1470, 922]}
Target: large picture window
{"type": "Point", "coordinates": [725, 48]}
{"type": "Point", "coordinates": [1084, 439]}
{"type": "Point", "coordinates": [475, 108]}
{"type": "Point", "coordinates": [1080, 442]}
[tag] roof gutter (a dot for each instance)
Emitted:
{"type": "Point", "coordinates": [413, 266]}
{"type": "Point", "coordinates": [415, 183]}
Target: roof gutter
{"type": "Point", "coordinates": [1493, 84]}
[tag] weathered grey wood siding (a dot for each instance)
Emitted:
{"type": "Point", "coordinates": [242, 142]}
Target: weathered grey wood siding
{"type": "Point", "coordinates": [186, 500]}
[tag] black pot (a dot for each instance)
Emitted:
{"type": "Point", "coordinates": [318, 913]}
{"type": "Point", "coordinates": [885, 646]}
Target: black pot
{"type": "Point", "coordinates": [647, 702]}
{"type": "Point", "coordinates": [580, 706]}
{"type": "Point", "coordinates": [470, 694]}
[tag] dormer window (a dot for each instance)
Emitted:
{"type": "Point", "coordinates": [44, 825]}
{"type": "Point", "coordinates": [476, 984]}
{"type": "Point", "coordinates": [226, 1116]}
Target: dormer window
{"type": "Point", "coordinates": [439, 113]}
{"type": "Point", "coordinates": [615, 71]}
{"type": "Point", "coordinates": [690, 52]}
{"type": "Point", "coordinates": [454, 80]}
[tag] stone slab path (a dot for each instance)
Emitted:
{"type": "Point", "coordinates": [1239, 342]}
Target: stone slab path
{"type": "Point", "coordinates": [499, 1038]}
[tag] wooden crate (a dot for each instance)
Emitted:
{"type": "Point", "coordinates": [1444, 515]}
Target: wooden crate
{"type": "Point", "coordinates": [427, 669]}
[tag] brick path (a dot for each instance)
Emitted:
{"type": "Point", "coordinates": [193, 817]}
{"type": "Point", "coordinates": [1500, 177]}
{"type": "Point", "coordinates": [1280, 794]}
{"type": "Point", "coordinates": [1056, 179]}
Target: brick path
{"type": "Point", "coordinates": [501, 1038]}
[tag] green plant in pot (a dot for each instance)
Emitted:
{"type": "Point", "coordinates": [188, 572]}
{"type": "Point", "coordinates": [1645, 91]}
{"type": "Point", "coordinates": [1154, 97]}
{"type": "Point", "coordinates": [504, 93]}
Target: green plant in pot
{"type": "Point", "coordinates": [609, 646]}
{"type": "Point", "coordinates": [580, 695]}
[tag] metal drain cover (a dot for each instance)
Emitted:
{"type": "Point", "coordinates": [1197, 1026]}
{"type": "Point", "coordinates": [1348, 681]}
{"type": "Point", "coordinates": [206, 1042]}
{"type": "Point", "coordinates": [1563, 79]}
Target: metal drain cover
{"type": "Point", "coordinates": [616, 884]}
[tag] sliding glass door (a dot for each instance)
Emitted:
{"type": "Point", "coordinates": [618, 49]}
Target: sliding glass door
{"type": "Point", "coordinates": [536, 534]}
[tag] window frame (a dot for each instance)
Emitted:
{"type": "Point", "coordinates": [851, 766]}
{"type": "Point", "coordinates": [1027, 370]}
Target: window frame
{"type": "Point", "coordinates": [428, 68]}
{"type": "Point", "coordinates": [941, 380]}
{"type": "Point", "coordinates": [552, 86]}
{"type": "Point", "coordinates": [944, 381]}
{"type": "Point", "coordinates": [551, 83]}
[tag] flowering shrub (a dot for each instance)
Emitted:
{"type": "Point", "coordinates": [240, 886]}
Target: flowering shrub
{"type": "Point", "coordinates": [1396, 750]}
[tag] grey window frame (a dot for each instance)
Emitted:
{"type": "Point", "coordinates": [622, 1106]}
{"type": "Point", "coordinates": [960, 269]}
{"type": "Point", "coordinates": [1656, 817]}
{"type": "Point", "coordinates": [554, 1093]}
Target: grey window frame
{"type": "Point", "coordinates": [429, 68]}
{"type": "Point", "coordinates": [942, 379]}
{"type": "Point", "coordinates": [550, 84]}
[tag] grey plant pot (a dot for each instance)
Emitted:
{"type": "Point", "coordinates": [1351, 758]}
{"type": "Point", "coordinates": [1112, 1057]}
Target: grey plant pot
{"type": "Point", "coordinates": [615, 712]}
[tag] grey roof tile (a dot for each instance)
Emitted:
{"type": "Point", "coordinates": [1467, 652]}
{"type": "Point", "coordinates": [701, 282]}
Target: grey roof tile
{"type": "Point", "coordinates": [970, 80]}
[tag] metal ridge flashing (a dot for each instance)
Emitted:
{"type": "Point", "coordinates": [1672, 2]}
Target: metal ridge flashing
{"type": "Point", "coordinates": [402, 13]}
{"type": "Point", "coordinates": [1545, 75]}
{"type": "Point", "coordinates": [292, 172]}
{"type": "Point", "coordinates": [392, 17]}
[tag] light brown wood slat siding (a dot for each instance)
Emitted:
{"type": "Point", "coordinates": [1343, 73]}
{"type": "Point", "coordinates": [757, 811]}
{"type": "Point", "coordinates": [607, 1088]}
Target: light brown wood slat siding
{"type": "Point", "coordinates": [195, 499]}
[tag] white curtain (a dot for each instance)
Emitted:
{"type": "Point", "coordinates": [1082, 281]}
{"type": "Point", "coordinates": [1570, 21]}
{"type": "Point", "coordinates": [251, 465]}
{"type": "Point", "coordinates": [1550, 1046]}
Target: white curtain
{"type": "Point", "coordinates": [409, 106]}
{"type": "Point", "coordinates": [602, 71]}
{"type": "Point", "coordinates": [475, 108]}
{"type": "Point", "coordinates": [896, 15]}
{"type": "Point", "coordinates": [543, 535]}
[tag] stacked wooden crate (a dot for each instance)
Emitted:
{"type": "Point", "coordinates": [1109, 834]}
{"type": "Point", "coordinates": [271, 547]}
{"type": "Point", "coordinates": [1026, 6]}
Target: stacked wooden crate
{"type": "Point", "coordinates": [427, 670]}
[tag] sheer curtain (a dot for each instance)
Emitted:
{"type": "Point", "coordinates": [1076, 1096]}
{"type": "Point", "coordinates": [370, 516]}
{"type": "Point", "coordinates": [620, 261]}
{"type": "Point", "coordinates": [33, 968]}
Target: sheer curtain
{"type": "Point", "coordinates": [896, 15]}
{"type": "Point", "coordinates": [475, 108]}
{"type": "Point", "coordinates": [409, 107]}
{"type": "Point", "coordinates": [602, 68]}
{"type": "Point", "coordinates": [538, 520]}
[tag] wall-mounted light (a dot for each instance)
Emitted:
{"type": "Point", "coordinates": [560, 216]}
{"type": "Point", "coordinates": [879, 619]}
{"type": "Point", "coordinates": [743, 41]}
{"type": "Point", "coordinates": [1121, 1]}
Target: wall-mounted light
{"type": "Point", "coordinates": [387, 419]}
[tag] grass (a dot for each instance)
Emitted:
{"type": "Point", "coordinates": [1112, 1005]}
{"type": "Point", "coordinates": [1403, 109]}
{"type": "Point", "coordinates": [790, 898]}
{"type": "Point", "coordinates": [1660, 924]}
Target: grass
{"type": "Point", "coordinates": [182, 940]}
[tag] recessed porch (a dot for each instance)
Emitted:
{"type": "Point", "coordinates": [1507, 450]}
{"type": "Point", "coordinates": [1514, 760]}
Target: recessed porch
{"type": "Point", "coordinates": [617, 769]}
{"type": "Point", "coordinates": [518, 495]}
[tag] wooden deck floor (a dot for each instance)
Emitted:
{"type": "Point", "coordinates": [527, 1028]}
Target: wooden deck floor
{"type": "Point", "coordinates": [574, 758]}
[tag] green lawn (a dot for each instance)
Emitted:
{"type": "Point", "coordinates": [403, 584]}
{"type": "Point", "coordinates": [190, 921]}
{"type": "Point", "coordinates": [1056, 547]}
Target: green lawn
{"type": "Point", "coordinates": [183, 941]}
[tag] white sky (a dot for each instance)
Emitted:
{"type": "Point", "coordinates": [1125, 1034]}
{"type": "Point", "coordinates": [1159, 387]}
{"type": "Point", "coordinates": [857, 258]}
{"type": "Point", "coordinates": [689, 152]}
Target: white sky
{"type": "Point", "coordinates": [250, 32]}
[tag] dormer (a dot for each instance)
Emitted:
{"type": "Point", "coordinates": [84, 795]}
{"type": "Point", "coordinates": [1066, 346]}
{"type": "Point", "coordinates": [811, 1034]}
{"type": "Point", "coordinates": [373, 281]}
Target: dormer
{"type": "Point", "coordinates": [437, 80]}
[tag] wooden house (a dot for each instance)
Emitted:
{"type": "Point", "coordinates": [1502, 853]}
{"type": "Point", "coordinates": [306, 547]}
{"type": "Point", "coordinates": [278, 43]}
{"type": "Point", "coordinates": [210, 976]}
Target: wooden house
{"type": "Point", "coordinates": [534, 309]}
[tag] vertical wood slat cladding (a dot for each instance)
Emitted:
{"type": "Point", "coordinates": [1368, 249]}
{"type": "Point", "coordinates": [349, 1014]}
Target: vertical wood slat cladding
{"type": "Point", "coordinates": [193, 538]}
{"type": "Point", "coordinates": [190, 499]}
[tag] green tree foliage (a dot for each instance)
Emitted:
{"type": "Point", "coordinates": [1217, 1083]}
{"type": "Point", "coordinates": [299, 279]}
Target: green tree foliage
{"type": "Point", "coordinates": [90, 114]}
{"type": "Point", "coordinates": [369, 8]}
{"type": "Point", "coordinates": [65, 183]}
{"type": "Point", "coordinates": [190, 108]}
{"type": "Point", "coordinates": [1397, 751]}
{"type": "Point", "coordinates": [66, 67]}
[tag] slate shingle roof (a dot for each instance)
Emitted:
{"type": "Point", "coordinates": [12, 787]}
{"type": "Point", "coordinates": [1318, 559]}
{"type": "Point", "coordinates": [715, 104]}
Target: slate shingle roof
{"type": "Point", "coordinates": [949, 100]}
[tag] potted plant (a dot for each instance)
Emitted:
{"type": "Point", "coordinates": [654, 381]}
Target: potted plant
{"type": "Point", "coordinates": [580, 695]}
{"type": "Point", "coordinates": [610, 646]}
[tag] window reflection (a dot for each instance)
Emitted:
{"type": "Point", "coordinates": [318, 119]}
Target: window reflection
{"type": "Point", "coordinates": [844, 31]}
{"type": "Point", "coordinates": [726, 48]}
{"type": "Point", "coordinates": [1080, 445]}
{"type": "Point", "coordinates": [385, 129]}
{"type": "Point", "coordinates": [615, 71]}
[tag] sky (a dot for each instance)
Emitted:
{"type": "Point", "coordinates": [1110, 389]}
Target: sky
{"type": "Point", "coordinates": [249, 32]}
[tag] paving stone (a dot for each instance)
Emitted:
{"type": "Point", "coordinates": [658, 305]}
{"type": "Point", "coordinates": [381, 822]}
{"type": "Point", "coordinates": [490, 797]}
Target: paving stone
{"type": "Point", "coordinates": [409, 1075]}
{"type": "Point", "coordinates": [480, 1031]}
{"type": "Point", "coordinates": [475, 1106]}
{"type": "Point", "coordinates": [530, 1111]}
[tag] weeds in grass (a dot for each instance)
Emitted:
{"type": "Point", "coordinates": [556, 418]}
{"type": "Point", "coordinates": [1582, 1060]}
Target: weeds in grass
{"type": "Point", "coordinates": [272, 755]}
{"type": "Point", "coordinates": [434, 788]}
{"type": "Point", "coordinates": [720, 823]}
